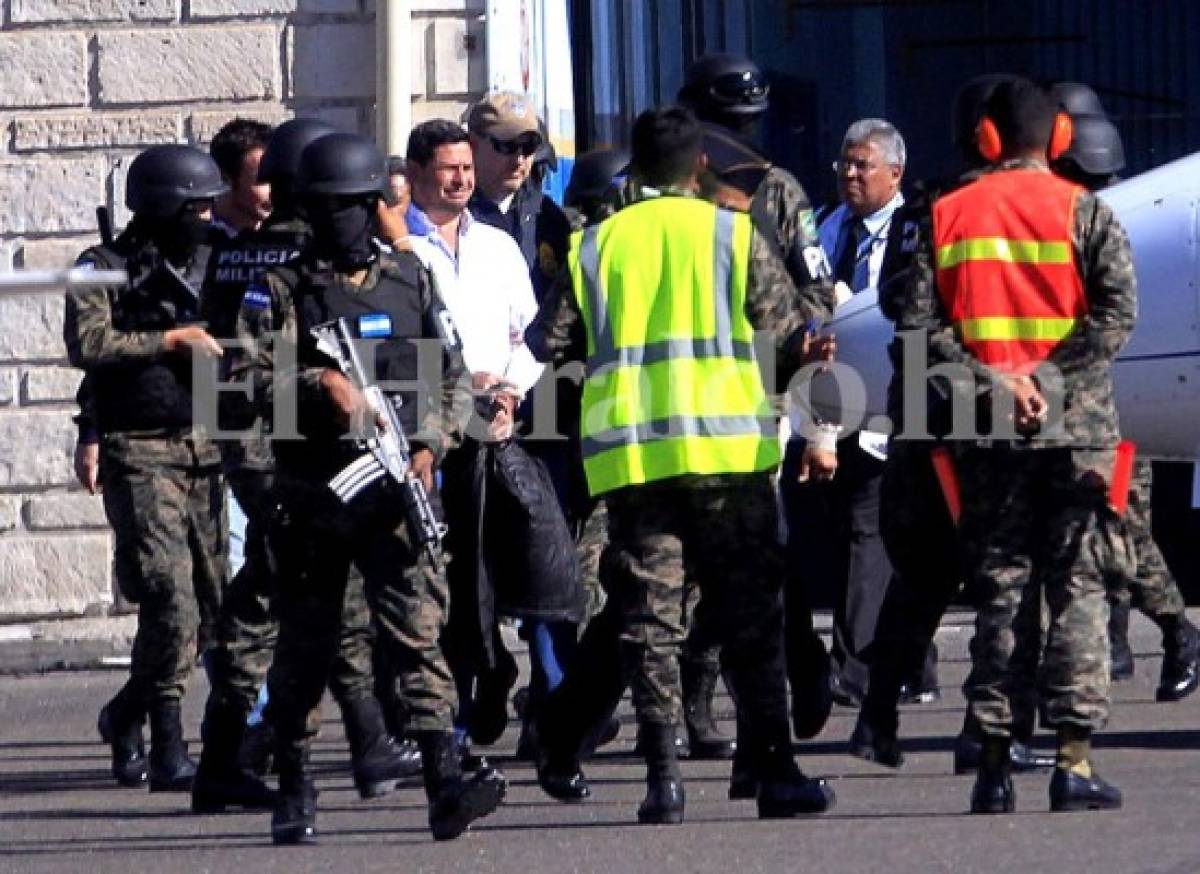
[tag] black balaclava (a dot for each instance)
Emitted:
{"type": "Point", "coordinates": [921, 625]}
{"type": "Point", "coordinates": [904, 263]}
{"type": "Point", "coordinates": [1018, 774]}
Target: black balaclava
{"type": "Point", "coordinates": [344, 235]}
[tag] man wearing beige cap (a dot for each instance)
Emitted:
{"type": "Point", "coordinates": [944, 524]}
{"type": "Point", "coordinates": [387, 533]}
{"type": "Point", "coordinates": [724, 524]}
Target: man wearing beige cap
{"type": "Point", "coordinates": [505, 134]}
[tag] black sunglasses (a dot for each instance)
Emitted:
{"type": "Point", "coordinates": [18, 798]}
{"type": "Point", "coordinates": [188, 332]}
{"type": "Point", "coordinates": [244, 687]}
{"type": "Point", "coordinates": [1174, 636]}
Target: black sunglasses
{"type": "Point", "coordinates": [526, 146]}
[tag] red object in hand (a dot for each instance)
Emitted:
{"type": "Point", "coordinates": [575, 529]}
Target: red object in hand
{"type": "Point", "coordinates": [1118, 492]}
{"type": "Point", "coordinates": [947, 476]}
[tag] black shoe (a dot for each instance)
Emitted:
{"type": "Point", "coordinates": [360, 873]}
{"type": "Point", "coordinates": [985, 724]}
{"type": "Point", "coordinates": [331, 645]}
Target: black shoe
{"type": "Point", "coordinates": [993, 792]}
{"type": "Point", "coordinates": [129, 765]}
{"type": "Point", "coordinates": [489, 711]}
{"type": "Point", "coordinates": [216, 792]}
{"type": "Point", "coordinates": [699, 684]}
{"type": "Point", "coordinates": [843, 694]}
{"type": "Point", "coordinates": [376, 775]}
{"type": "Point", "coordinates": [456, 799]}
{"type": "Point", "coordinates": [294, 820]}
{"type": "Point", "coordinates": [171, 769]}
{"type": "Point", "coordinates": [665, 798]}
{"type": "Point", "coordinates": [743, 782]}
{"type": "Point", "coordinates": [1071, 792]}
{"type": "Point", "coordinates": [664, 802]}
{"type": "Point", "coordinates": [790, 793]}
{"type": "Point", "coordinates": [563, 784]}
{"type": "Point", "coordinates": [874, 745]}
{"type": "Point", "coordinates": [915, 694]}
{"type": "Point", "coordinates": [1181, 652]}
{"type": "Point", "coordinates": [968, 753]}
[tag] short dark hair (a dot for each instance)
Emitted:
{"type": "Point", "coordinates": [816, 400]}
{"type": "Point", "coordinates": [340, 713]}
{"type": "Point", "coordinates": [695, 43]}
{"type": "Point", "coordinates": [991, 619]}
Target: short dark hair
{"type": "Point", "coordinates": [427, 137]}
{"type": "Point", "coordinates": [1023, 113]}
{"type": "Point", "coordinates": [234, 141]}
{"type": "Point", "coordinates": [666, 143]}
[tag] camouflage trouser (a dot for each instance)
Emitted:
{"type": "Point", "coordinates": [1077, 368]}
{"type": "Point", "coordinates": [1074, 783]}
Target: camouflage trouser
{"type": "Point", "coordinates": [248, 630]}
{"type": "Point", "coordinates": [316, 546]}
{"type": "Point", "coordinates": [593, 537]}
{"type": "Point", "coordinates": [719, 531]}
{"type": "Point", "coordinates": [166, 504]}
{"type": "Point", "coordinates": [1036, 524]}
{"type": "Point", "coordinates": [1152, 588]}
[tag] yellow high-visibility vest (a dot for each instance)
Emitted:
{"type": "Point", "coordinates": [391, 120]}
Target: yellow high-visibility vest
{"type": "Point", "coordinates": [672, 385]}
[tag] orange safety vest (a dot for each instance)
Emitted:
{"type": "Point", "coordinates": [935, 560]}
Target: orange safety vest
{"type": "Point", "coordinates": [1006, 266]}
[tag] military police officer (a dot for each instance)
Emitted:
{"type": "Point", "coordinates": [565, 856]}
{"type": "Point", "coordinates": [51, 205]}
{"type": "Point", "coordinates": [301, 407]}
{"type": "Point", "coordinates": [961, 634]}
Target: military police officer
{"type": "Point", "coordinates": [389, 300]}
{"type": "Point", "coordinates": [160, 475]}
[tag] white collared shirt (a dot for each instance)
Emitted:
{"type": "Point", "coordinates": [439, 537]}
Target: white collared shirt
{"type": "Point", "coordinates": [877, 224]}
{"type": "Point", "coordinates": [486, 288]}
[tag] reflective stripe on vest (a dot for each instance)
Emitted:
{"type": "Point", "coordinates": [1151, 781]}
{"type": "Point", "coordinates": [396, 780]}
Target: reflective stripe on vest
{"type": "Point", "coordinates": [673, 385]}
{"type": "Point", "coordinates": [1006, 266]}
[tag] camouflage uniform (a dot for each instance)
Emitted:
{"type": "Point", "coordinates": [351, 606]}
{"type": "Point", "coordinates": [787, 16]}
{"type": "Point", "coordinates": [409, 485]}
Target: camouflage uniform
{"type": "Point", "coordinates": [1035, 510]}
{"type": "Point", "coordinates": [247, 627]}
{"type": "Point", "coordinates": [315, 538]}
{"type": "Point", "coordinates": [1152, 587]}
{"type": "Point", "coordinates": [161, 477]}
{"type": "Point", "coordinates": [662, 532]}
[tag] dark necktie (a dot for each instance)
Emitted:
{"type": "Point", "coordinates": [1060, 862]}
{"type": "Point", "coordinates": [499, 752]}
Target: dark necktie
{"type": "Point", "coordinates": [849, 258]}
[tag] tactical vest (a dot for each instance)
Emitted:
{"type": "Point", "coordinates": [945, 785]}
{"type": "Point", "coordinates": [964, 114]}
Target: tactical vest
{"type": "Point", "coordinates": [143, 396]}
{"type": "Point", "coordinates": [387, 317]}
{"type": "Point", "coordinates": [1006, 266]}
{"type": "Point", "coordinates": [241, 260]}
{"type": "Point", "coordinates": [672, 386]}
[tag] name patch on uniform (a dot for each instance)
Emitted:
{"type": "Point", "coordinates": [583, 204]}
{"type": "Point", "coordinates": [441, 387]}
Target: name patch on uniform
{"type": "Point", "coordinates": [256, 298]}
{"type": "Point", "coordinates": [910, 235]}
{"type": "Point", "coordinates": [817, 263]}
{"type": "Point", "coordinates": [374, 325]}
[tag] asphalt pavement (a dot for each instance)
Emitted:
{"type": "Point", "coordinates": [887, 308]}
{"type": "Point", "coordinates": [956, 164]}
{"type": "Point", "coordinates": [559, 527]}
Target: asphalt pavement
{"type": "Point", "coordinates": [60, 810]}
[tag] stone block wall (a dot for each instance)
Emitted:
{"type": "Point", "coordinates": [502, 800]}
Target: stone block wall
{"type": "Point", "coordinates": [85, 85]}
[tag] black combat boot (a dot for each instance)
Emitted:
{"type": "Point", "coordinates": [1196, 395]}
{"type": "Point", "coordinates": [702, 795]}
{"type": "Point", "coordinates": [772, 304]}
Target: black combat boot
{"type": "Point", "coordinates": [665, 797]}
{"type": "Point", "coordinates": [699, 681]}
{"type": "Point", "coordinates": [1070, 791]}
{"type": "Point", "coordinates": [968, 752]}
{"type": "Point", "coordinates": [171, 769]}
{"type": "Point", "coordinates": [783, 789]}
{"type": "Point", "coordinates": [1181, 649]}
{"type": "Point", "coordinates": [294, 820]}
{"type": "Point", "coordinates": [220, 781]}
{"type": "Point", "coordinates": [257, 752]}
{"type": "Point", "coordinates": [455, 800]}
{"type": "Point", "coordinates": [1118, 641]}
{"type": "Point", "coordinates": [120, 726]}
{"type": "Point", "coordinates": [489, 712]}
{"type": "Point", "coordinates": [993, 791]}
{"type": "Point", "coordinates": [376, 759]}
{"type": "Point", "coordinates": [810, 674]}
{"type": "Point", "coordinates": [875, 744]}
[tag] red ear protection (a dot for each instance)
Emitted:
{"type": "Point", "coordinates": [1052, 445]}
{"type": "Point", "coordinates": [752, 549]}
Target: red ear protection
{"type": "Point", "coordinates": [987, 140]}
{"type": "Point", "coordinates": [1060, 138]}
{"type": "Point", "coordinates": [990, 146]}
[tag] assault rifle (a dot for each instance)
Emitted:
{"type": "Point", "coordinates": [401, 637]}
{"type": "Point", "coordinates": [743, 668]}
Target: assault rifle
{"type": "Point", "coordinates": [387, 453]}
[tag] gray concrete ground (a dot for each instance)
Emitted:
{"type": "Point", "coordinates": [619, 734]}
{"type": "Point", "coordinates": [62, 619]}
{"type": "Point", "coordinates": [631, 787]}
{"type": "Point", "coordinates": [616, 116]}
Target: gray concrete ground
{"type": "Point", "coordinates": [60, 811]}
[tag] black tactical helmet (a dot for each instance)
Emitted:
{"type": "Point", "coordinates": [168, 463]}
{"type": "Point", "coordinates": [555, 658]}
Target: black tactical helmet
{"type": "Point", "coordinates": [1077, 99]}
{"type": "Point", "coordinates": [163, 179]}
{"type": "Point", "coordinates": [593, 175]}
{"type": "Point", "coordinates": [969, 102]}
{"type": "Point", "coordinates": [281, 159]}
{"type": "Point", "coordinates": [1096, 146]}
{"type": "Point", "coordinates": [342, 163]}
{"type": "Point", "coordinates": [727, 85]}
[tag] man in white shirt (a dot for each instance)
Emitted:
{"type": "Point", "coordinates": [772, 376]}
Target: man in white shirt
{"type": "Point", "coordinates": [835, 525]}
{"type": "Point", "coordinates": [485, 284]}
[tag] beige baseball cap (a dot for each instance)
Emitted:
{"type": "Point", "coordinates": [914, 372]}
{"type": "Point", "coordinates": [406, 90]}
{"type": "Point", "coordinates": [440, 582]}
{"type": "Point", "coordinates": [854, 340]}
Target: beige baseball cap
{"type": "Point", "coordinates": [504, 115]}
